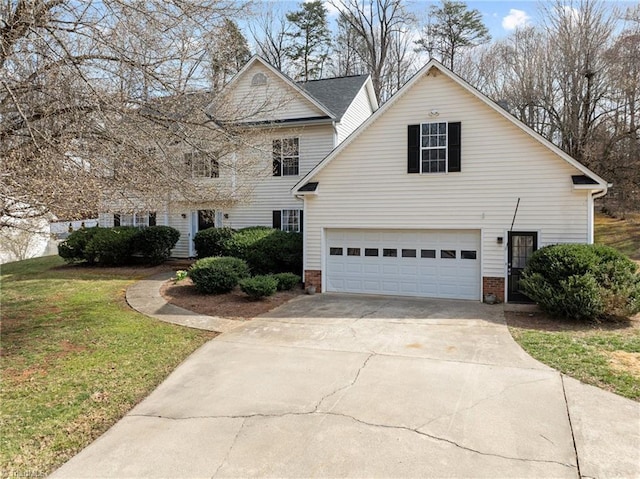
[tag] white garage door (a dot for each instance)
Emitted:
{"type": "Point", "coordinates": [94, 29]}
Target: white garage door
{"type": "Point", "coordinates": [433, 263]}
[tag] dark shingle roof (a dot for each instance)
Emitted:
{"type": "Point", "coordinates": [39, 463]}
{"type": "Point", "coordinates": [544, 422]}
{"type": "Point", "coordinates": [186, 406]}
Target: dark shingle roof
{"type": "Point", "coordinates": [309, 187]}
{"type": "Point", "coordinates": [335, 93]}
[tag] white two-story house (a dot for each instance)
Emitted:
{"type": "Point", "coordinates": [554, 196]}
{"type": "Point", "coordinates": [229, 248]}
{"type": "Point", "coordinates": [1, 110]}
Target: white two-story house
{"type": "Point", "coordinates": [296, 126]}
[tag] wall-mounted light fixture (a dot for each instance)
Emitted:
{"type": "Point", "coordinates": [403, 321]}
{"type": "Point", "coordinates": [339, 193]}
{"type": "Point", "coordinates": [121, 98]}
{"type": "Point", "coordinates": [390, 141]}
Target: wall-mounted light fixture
{"type": "Point", "coordinates": [434, 113]}
{"type": "Point", "coordinates": [184, 215]}
{"type": "Point", "coordinates": [499, 240]}
{"type": "Point", "coordinates": [226, 216]}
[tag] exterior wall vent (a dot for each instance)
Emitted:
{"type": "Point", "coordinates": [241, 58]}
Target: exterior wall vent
{"type": "Point", "coordinates": [259, 79]}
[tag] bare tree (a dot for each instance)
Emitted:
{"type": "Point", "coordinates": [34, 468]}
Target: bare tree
{"type": "Point", "coordinates": [271, 33]}
{"type": "Point", "coordinates": [96, 100]}
{"type": "Point", "coordinates": [375, 23]}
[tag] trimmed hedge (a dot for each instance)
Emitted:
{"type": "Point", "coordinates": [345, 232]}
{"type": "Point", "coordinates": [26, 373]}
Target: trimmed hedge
{"type": "Point", "coordinates": [217, 275]}
{"type": "Point", "coordinates": [259, 286]}
{"type": "Point", "coordinates": [72, 250]}
{"type": "Point", "coordinates": [287, 281]}
{"type": "Point", "coordinates": [111, 246]}
{"type": "Point", "coordinates": [210, 241]}
{"type": "Point", "coordinates": [118, 246]}
{"type": "Point", "coordinates": [583, 282]}
{"type": "Point", "coordinates": [266, 250]}
{"type": "Point", "coordinates": [154, 244]}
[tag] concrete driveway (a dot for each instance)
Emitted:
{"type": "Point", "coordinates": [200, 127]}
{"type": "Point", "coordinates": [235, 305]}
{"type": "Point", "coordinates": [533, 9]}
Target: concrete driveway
{"type": "Point", "coordinates": [357, 386]}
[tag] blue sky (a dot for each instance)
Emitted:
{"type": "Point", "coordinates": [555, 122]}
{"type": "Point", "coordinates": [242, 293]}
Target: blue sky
{"type": "Point", "coordinates": [500, 16]}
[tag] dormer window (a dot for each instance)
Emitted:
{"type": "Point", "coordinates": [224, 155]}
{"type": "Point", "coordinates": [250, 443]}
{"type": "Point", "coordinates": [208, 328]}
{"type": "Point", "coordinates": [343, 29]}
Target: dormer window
{"type": "Point", "coordinates": [259, 79]}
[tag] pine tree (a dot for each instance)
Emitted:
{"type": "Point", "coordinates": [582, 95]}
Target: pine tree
{"type": "Point", "coordinates": [309, 50]}
{"type": "Point", "coordinates": [452, 27]}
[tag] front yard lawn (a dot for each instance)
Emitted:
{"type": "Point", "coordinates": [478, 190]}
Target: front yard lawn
{"type": "Point", "coordinates": [75, 358]}
{"type": "Point", "coordinates": [606, 355]}
{"type": "Point", "coordinates": [621, 234]}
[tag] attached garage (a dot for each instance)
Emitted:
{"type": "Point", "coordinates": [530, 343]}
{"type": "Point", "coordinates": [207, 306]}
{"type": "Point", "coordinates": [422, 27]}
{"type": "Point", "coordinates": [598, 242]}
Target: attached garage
{"type": "Point", "coordinates": [427, 263]}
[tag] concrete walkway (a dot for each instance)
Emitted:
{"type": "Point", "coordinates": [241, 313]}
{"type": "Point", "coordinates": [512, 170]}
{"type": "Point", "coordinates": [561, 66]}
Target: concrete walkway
{"type": "Point", "coordinates": [144, 296]}
{"type": "Point", "coordinates": [356, 386]}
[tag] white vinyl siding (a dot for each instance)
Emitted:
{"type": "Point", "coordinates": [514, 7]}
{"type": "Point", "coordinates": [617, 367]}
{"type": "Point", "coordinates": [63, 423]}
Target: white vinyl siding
{"type": "Point", "coordinates": [274, 192]}
{"type": "Point", "coordinates": [500, 164]}
{"type": "Point", "coordinates": [359, 110]}
{"type": "Point", "coordinates": [274, 101]}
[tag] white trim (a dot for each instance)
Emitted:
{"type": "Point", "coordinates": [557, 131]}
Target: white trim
{"type": "Point", "coordinates": [603, 185]}
{"type": "Point", "coordinates": [590, 219]}
{"type": "Point", "coordinates": [323, 259]}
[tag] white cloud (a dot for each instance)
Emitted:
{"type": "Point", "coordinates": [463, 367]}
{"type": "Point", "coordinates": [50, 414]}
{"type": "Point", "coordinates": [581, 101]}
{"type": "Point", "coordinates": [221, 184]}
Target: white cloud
{"type": "Point", "coordinates": [516, 18]}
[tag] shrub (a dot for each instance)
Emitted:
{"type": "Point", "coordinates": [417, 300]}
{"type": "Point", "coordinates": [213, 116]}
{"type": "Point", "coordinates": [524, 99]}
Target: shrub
{"type": "Point", "coordinates": [287, 281]}
{"type": "Point", "coordinates": [111, 246]}
{"type": "Point", "coordinates": [582, 281]}
{"type": "Point", "coordinates": [266, 250]}
{"type": "Point", "coordinates": [209, 242]}
{"type": "Point", "coordinates": [259, 286]}
{"type": "Point", "coordinates": [154, 244]}
{"type": "Point", "coordinates": [218, 275]}
{"type": "Point", "coordinates": [72, 250]}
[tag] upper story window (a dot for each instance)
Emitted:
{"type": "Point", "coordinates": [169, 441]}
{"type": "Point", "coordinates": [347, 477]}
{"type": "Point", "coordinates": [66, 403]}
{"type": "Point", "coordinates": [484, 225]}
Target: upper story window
{"type": "Point", "coordinates": [434, 148]}
{"type": "Point", "coordinates": [433, 144]}
{"type": "Point", "coordinates": [259, 79]}
{"type": "Point", "coordinates": [201, 165]}
{"type": "Point", "coordinates": [286, 157]}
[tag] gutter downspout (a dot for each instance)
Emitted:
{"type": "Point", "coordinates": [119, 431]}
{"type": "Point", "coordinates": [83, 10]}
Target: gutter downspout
{"type": "Point", "coordinates": [590, 212]}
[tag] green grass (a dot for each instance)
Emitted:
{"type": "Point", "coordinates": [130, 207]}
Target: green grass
{"type": "Point", "coordinates": [604, 356]}
{"type": "Point", "coordinates": [75, 359]}
{"type": "Point", "coordinates": [622, 234]}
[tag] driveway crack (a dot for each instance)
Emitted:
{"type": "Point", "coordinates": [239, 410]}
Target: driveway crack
{"type": "Point", "coordinates": [347, 386]}
{"type": "Point", "coordinates": [360, 421]}
{"type": "Point", "coordinates": [573, 437]}
{"type": "Point", "coordinates": [449, 441]}
{"type": "Point", "coordinates": [226, 456]}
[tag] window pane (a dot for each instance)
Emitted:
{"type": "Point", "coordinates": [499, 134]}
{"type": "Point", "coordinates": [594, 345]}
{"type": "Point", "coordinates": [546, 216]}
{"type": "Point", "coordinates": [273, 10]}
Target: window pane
{"type": "Point", "coordinates": [353, 251]}
{"type": "Point", "coordinates": [442, 128]}
{"type": "Point", "coordinates": [408, 253]}
{"type": "Point", "coordinates": [433, 128]}
{"type": "Point", "coordinates": [448, 253]}
{"type": "Point", "coordinates": [391, 253]}
{"type": "Point", "coordinates": [468, 254]}
{"type": "Point", "coordinates": [427, 253]}
{"type": "Point", "coordinates": [335, 251]}
{"type": "Point", "coordinates": [371, 251]}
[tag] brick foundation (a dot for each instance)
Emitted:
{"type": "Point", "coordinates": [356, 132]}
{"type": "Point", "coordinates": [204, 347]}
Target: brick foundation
{"type": "Point", "coordinates": [493, 286]}
{"type": "Point", "coordinates": [313, 277]}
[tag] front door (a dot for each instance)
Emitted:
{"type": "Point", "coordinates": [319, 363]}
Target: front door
{"type": "Point", "coordinates": [521, 247]}
{"type": "Point", "coordinates": [200, 220]}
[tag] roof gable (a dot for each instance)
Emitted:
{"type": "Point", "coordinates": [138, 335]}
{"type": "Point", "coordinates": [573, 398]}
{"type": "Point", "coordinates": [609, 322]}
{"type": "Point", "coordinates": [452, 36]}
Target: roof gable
{"type": "Point", "coordinates": [280, 98]}
{"type": "Point", "coordinates": [435, 67]}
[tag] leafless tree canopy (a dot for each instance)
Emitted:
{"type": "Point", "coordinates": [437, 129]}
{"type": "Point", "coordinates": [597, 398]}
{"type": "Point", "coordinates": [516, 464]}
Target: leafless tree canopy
{"type": "Point", "coordinates": [98, 96]}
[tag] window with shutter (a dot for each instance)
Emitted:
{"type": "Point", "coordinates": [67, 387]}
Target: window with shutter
{"type": "Point", "coordinates": [434, 148]}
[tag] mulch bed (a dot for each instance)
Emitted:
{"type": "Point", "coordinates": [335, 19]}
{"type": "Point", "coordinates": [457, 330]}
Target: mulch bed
{"type": "Point", "coordinates": [234, 305]}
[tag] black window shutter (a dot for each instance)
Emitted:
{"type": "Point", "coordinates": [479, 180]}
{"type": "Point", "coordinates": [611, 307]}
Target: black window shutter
{"type": "Point", "coordinates": [301, 220]}
{"type": "Point", "coordinates": [277, 219]}
{"type": "Point", "coordinates": [116, 220]}
{"type": "Point", "coordinates": [453, 153]}
{"type": "Point", "coordinates": [413, 155]}
{"type": "Point", "coordinates": [277, 156]}
{"type": "Point", "coordinates": [152, 218]}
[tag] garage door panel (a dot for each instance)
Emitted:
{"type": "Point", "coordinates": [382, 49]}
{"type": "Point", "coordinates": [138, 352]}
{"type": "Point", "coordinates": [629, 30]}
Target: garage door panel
{"type": "Point", "coordinates": [419, 270]}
